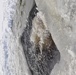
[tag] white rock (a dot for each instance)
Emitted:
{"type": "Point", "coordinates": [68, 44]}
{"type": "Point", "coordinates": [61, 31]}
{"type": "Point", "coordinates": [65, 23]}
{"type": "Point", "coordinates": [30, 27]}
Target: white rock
{"type": "Point", "coordinates": [13, 17]}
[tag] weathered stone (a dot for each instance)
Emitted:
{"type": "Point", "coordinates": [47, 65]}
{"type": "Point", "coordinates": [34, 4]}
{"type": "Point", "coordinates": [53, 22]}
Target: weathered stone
{"type": "Point", "coordinates": [39, 63]}
{"type": "Point", "coordinates": [60, 17]}
{"type": "Point", "coordinates": [12, 22]}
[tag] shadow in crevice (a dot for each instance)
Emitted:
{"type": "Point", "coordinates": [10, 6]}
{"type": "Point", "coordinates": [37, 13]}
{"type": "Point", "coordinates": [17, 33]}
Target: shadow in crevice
{"type": "Point", "coordinates": [48, 59]}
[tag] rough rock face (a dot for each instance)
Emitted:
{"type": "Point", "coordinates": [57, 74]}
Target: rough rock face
{"type": "Point", "coordinates": [12, 22]}
{"type": "Point", "coordinates": [61, 19]}
{"type": "Point", "coordinates": [18, 53]}
{"type": "Point", "coordinates": [39, 62]}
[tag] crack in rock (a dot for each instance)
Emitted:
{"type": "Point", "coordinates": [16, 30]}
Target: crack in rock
{"type": "Point", "coordinates": [38, 63]}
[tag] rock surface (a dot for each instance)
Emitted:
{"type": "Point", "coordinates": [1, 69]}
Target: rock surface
{"type": "Point", "coordinates": [39, 63]}
{"type": "Point", "coordinates": [61, 19]}
{"type": "Point", "coordinates": [12, 22]}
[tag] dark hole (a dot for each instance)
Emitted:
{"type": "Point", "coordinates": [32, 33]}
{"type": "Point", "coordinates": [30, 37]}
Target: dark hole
{"type": "Point", "coordinates": [20, 2]}
{"type": "Point", "coordinates": [39, 64]}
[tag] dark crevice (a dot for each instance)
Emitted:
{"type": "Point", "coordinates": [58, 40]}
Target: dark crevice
{"type": "Point", "coordinates": [20, 2]}
{"type": "Point", "coordinates": [48, 58]}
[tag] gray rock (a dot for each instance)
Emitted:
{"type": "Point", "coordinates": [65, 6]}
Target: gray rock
{"type": "Point", "coordinates": [39, 64]}
{"type": "Point", "coordinates": [60, 16]}
{"type": "Point", "coordinates": [12, 22]}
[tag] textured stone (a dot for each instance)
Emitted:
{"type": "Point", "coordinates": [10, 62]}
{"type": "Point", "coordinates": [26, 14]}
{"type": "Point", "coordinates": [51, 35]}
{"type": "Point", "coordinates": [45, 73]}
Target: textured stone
{"type": "Point", "coordinates": [12, 22]}
{"type": "Point", "coordinates": [60, 17]}
{"type": "Point", "coordinates": [39, 62]}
